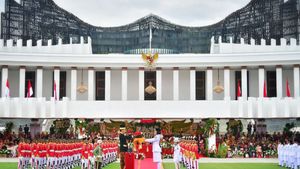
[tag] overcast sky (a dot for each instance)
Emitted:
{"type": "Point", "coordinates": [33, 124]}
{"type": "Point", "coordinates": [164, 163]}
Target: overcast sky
{"type": "Point", "coordinates": [120, 12]}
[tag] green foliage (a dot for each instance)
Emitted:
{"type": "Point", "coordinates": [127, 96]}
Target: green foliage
{"type": "Point", "coordinates": [287, 129]}
{"type": "Point", "coordinates": [222, 151]}
{"type": "Point", "coordinates": [61, 125]}
{"type": "Point", "coordinates": [8, 127]}
{"type": "Point", "coordinates": [234, 127]}
{"type": "Point", "coordinates": [210, 127]}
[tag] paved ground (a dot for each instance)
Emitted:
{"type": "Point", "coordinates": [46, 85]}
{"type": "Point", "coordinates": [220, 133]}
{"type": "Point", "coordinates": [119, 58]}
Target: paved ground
{"type": "Point", "coordinates": [202, 160]}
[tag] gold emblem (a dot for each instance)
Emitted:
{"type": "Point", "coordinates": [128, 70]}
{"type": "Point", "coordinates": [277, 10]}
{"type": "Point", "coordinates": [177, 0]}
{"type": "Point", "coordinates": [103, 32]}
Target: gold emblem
{"type": "Point", "coordinates": [150, 59]}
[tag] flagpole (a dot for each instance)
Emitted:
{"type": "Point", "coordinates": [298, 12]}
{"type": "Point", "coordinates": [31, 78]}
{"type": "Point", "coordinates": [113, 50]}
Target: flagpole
{"type": "Point", "coordinates": [150, 37]}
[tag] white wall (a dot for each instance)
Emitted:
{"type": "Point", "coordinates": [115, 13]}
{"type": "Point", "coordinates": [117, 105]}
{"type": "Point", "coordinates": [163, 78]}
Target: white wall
{"type": "Point", "coordinates": [253, 83]}
{"type": "Point", "coordinates": [116, 85]}
{"type": "Point", "coordinates": [184, 85]}
{"type": "Point", "coordinates": [47, 83]}
{"type": "Point", "coordinates": [13, 78]}
{"type": "Point", "coordinates": [217, 96]}
{"type": "Point", "coordinates": [167, 84]}
{"type": "Point", "coordinates": [133, 85]}
{"type": "Point", "coordinates": [82, 96]}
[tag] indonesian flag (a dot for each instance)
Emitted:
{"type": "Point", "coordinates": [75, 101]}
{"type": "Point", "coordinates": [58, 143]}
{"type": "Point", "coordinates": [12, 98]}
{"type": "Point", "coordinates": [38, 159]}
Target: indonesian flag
{"type": "Point", "coordinates": [29, 89]}
{"type": "Point", "coordinates": [265, 89]}
{"type": "Point", "coordinates": [239, 91]}
{"type": "Point", "coordinates": [7, 92]}
{"type": "Point", "coordinates": [54, 91]}
{"type": "Point", "coordinates": [288, 91]}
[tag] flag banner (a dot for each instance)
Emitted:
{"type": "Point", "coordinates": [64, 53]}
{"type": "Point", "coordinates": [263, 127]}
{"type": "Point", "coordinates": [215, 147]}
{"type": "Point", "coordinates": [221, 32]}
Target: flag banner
{"type": "Point", "coordinates": [54, 91]}
{"type": "Point", "coordinates": [29, 89]}
{"type": "Point", "coordinates": [239, 91]}
{"type": "Point", "coordinates": [288, 91]}
{"type": "Point", "coordinates": [265, 89]}
{"type": "Point", "coordinates": [7, 92]}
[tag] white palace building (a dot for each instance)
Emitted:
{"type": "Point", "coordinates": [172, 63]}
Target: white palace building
{"type": "Point", "coordinates": [183, 84]}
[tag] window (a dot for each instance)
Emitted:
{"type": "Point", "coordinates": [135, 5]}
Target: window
{"type": "Point", "coordinates": [100, 86]}
{"type": "Point", "coordinates": [238, 77]}
{"type": "Point", "coordinates": [62, 84]}
{"type": "Point", "coordinates": [150, 77]}
{"type": "Point", "coordinates": [200, 85]}
{"type": "Point", "coordinates": [30, 76]}
{"type": "Point", "coordinates": [271, 84]}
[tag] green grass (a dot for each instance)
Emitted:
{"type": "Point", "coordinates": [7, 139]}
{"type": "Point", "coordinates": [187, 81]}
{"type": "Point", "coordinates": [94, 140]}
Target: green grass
{"type": "Point", "coordinates": [171, 166]}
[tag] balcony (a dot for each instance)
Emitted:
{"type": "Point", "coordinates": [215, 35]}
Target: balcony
{"type": "Point", "coordinates": [251, 108]}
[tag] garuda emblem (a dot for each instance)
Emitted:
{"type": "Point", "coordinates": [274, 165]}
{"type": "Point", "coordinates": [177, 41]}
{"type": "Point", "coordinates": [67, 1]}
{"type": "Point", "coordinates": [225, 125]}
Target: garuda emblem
{"type": "Point", "coordinates": [150, 59]}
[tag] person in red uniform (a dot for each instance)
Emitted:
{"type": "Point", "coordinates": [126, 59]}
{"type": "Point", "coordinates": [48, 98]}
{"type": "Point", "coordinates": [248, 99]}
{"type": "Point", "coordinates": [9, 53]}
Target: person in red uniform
{"type": "Point", "coordinates": [21, 155]}
{"type": "Point", "coordinates": [85, 156]}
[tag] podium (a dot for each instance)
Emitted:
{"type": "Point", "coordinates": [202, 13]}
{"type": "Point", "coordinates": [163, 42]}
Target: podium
{"type": "Point", "coordinates": [129, 160]}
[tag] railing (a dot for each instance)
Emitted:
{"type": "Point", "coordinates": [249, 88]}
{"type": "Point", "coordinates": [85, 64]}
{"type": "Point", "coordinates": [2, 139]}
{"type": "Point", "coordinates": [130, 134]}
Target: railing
{"type": "Point", "coordinates": [251, 108]}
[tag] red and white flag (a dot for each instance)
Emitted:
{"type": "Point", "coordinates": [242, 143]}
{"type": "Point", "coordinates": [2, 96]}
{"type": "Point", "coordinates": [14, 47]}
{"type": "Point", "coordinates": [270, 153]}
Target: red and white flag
{"type": "Point", "coordinates": [239, 91]}
{"type": "Point", "coordinates": [54, 90]}
{"type": "Point", "coordinates": [265, 89]}
{"type": "Point", "coordinates": [288, 91]}
{"type": "Point", "coordinates": [7, 92]}
{"type": "Point", "coordinates": [29, 89]}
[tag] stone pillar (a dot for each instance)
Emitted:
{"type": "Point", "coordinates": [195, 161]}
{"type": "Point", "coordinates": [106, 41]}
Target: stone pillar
{"type": "Point", "coordinates": [39, 82]}
{"type": "Point", "coordinates": [192, 83]}
{"type": "Point", "coordinates": [73, 83]}
{"type": "Point", "coordinates": [244, 82]}
{"type": "Point", "coordinates": [209, 83]}
{"type": "Point", "coordinates": [141, 83]}
{"type": "Point", "coordinates": [107, 83]}
{"type": "Point", "coordinates": [22, 82]}
{"type": "Point", "coordinates": [175, 83]}
{"type": "Point", "coordinates": [91, 84]}
{"type": "Point", "coordinates": [279, 81]}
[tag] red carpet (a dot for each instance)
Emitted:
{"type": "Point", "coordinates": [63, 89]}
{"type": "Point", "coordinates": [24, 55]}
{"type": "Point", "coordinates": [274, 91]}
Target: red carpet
{"type": "Point", "coordinates": [147, 163]}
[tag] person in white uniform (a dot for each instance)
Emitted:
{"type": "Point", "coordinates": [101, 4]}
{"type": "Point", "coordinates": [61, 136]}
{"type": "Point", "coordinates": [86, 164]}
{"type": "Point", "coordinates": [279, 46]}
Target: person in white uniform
{"type": "Point", "coordinates": [156, 149]}
{"type": "Point", "coordinates": [177, 156]}
{"type": "Point", "coordinates": [280, 153]}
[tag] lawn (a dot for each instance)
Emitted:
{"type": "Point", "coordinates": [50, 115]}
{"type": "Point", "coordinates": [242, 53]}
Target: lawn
{"type": "Point", "coordinates": [171, 166]}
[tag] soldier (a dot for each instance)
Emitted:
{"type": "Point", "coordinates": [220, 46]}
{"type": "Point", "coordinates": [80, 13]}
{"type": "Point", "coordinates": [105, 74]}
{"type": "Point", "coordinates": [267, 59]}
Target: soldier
{"type": "Point", "coordinates": [177, 156]}
{"type": "Point", "coordinates": [280, 153]}
{"type": "Point", "coordinates": [21, 155]}
{"type": "Point", "coordinates": [98, 155]}
{"type": "Point", "coordinates": [123, 146]}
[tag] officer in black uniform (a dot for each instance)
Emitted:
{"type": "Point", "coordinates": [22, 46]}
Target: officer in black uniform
{"type": "Point", "coordinates": [123, 145]}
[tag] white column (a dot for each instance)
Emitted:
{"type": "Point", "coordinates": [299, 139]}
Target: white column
{"type": "Point", "coordinates": [56, 79]}
{"type": "Point", "coordinates": [209, 83]}
{"type": "Point", "coordinates": [175, 83]}
{"type": "Point", "coordinates": [4, 78]}
{"type": "Point", "coordinates": [296, 81]}
{"type": "Point", "coordinates": [261, 80]}
{"type": "Point", "coordinates": [39, 82]}
{"type": "Point", "coordinates": [22, 82]}
{"type": "Point", "coordinates": [141, 83]}
{"type": "Point", "coordinates": [279, 81]}
{"type": "Point", "coordinates": [226, 83]}
{"type": "Point", "coordinates": [192, 84]}
{"type": "Point", "coordinates": [91, 84]}
{"type": "Point", "coordinates": [158, 84]}
{"type": "Point", "coordinates": [107, 84]}
{"type": "Point", "coordinates": [244, 82]}
{"type": "Point", "coordinates": [73, 83]}
{"type": "Point", "coordinates": [124, 83]}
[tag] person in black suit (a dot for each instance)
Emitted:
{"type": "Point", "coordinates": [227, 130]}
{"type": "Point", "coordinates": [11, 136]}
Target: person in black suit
{"type": "Point", "coordinates": [123, 145]}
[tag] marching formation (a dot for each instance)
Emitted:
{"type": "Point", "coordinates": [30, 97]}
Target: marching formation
{"type": "Point", "coordinates": [190, 155]}
{"type": "Point", "coordinates": [66, 154]}
{"type": "Point", "coordinates": [289, 153]}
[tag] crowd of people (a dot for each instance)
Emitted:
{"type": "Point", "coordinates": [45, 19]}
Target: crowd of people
{"type": "Point", "coordinates": [65, 154]}
{"type": "Point", "coordinates": [251, 146]}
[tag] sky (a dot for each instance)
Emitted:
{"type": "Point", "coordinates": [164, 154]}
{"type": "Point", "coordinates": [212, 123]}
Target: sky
{"type": "Point", "coordinates": [119, 12]}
